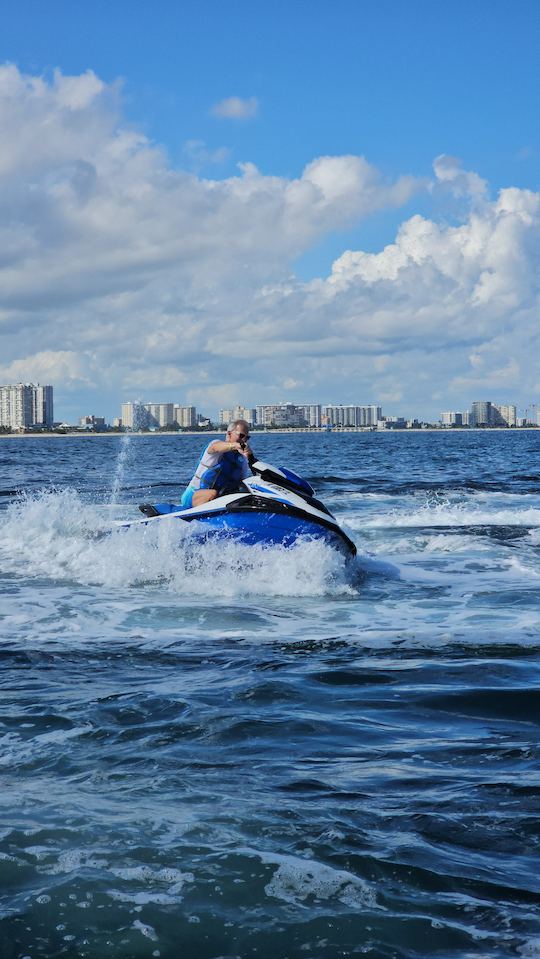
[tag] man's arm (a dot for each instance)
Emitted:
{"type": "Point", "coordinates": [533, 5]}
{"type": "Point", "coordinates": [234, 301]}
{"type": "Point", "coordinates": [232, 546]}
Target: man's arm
{"type": "Point", "coordinates": [223, 446]}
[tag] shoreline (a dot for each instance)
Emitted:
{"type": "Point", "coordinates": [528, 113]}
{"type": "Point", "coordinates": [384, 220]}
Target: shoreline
{"type": "Point", "coordinates": [315, 431]}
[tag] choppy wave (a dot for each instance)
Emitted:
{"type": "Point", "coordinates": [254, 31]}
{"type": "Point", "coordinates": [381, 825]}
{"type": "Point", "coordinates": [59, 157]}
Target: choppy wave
{"type": "Point", "coordinates": [503, 510]}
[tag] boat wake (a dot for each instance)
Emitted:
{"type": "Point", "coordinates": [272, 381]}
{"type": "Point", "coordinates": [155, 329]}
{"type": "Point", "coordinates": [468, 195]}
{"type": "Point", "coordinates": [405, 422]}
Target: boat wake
{"type": "Point", "coordinates": [459, 511]}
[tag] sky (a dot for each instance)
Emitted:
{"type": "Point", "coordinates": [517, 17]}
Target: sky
{"type": "Point", "coordinates": [218, 203]}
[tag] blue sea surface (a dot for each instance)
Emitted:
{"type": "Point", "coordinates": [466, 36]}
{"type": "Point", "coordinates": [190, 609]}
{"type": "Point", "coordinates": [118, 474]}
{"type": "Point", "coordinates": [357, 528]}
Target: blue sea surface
{"type": "Point", "coordinates": [220, 751]}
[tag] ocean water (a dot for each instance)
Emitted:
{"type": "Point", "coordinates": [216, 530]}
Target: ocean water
{"type": "Point", "coordinates": [219, 751]}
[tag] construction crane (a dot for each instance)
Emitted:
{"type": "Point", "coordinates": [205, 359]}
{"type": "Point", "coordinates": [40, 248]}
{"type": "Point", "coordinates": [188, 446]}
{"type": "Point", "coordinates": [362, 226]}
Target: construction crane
{"type": "Point", "coordinates": [531, 420]}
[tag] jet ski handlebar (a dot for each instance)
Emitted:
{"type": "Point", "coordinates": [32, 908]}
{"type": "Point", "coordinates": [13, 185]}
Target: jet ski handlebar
{"type": "Point", "coordinates": [283, 477]}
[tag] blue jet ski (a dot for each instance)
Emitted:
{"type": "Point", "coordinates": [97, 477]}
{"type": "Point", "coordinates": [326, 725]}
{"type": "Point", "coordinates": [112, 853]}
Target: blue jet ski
{"type": "Point", "coordinates": [272, 507]}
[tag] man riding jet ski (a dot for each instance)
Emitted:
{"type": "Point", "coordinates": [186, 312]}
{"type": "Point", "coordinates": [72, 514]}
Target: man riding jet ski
{"type": "Point", "coordinates": [234, 495]}
{"type": "Point", "coordinates": [223, 465]}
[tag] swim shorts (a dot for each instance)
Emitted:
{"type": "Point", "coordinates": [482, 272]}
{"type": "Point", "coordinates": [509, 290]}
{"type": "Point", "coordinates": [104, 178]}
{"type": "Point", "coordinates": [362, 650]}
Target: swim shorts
{"type": "Point", "coordinates": [187, 497]}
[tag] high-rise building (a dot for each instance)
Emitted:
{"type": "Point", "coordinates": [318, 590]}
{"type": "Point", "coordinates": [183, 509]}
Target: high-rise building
{"type": "Point", "coordinates": [244, 413]}
{"type": "Point", "coordinates": [185, 416]}
{"type": "Point", "coordinates": [481, 413]}
{"type": "Point", "coordinates": [451, 418]}
{"type": "Point", "coordinates": [25, 405]}
{"type": "Point", "coordinates": [43, 405]}
{"type": "Point", "coordinates": [134, 416]}
{"type": "Point", "coordinates": [281, 415]}
{"type": "Point", "coordinates": [505, 414]}
{"type": "Point", "coordinates": [369, 415]}
{"type": "Point", "coordinates": [225, 417]}
{"type": "Point", "coordinates": [312, 414]}
{"type": "Point", "coordinates": [160, 415]}
{"type": "Point", "coordinates": [493, 414]}
{"type": "Point", "coordinates": [352, 416]}
{"type": "Point", "coordinates": [144, 416]}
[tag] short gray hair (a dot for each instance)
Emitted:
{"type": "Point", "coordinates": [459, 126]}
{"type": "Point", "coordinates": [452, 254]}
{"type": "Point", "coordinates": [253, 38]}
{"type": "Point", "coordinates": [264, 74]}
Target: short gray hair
{"type": "Point", "coordinates": [232, 426]}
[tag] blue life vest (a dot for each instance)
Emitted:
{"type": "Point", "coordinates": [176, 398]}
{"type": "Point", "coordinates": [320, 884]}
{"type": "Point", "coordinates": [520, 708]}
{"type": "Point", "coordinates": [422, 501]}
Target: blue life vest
{"type": "Point", "coordinates": [227, 473]}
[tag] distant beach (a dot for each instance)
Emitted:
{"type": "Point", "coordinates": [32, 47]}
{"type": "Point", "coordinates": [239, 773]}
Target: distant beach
{"type": "Point", "coordinates": [301, 430]}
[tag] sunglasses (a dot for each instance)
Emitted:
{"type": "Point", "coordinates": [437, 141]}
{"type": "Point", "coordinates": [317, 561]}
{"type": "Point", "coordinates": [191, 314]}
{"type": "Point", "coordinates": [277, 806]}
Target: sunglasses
{"type": "Point", "coordinates": [243, 436]}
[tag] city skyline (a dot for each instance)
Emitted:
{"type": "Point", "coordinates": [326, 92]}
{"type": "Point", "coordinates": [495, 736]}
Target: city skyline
{"type": "Point", "coordinates": [270, 231]}
{"type": "Point", "coordinates": [479, 412]}
{"type": "Point", "coordinates": [29, 405]}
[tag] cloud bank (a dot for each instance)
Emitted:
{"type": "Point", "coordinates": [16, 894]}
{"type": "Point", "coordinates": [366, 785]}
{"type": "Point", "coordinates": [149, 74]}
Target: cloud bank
{"type": "Point", "coordinates": [122, 276]}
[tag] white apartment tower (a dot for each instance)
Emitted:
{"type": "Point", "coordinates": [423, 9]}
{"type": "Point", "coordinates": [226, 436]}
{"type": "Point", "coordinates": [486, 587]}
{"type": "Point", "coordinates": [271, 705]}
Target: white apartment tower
{"type": "Point", "coordinates": [134, 416]}
{"type": "Point", "coordinates": [238, 413]}
{"type": "Point", "coordinates": [339, 415]}
{"type": "Point", "coordinates": [185, 416]}
{"type": "Point", "coordinates": [160, 414]}
{"type": "Point", "coordinates": [312, 414]}
{"type": "Point", "coordinates": [141, 416]}
{"type": "Point", "coordinates": [506, 414]}
{"type": "Point", "coordinates": [25, 405]}
{"type": "Point", "coordinates": [481, 413]}
{"type": "Point", "coordinates": [244, 413]}
{"type": "Point", "coordinates": [451, 418]}
{"type": "Point", "coordinates": [225, 417]}
{"type": "Point", "coordinates": [282, 415]}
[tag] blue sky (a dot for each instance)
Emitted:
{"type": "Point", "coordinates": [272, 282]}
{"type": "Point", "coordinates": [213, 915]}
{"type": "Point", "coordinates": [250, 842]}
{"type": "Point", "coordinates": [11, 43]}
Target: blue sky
{"type": "Point", "coordinates": [396, 83]}
{"type": "Point", "coordinates": [400, 82]}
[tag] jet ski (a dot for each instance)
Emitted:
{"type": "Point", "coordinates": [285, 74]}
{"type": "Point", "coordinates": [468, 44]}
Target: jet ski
{"type": "Point", "coordinates": [271, 507]}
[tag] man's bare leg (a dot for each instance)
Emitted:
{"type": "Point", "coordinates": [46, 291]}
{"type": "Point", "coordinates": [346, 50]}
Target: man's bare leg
{"type": "Point", "coordinates": [203, 496]}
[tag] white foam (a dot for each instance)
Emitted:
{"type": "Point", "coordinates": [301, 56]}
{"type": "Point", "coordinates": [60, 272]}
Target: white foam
{"type": "Point", "coordinates": [4, 857]}
{"type": "Point", "coordinates": [454, 508]}
{"type": "Point", "coordinates": [146, 930]}
{"type": "Point", "coordinates": [297, 879]}
{"type": "Point", "coordinates": [144, 873]}
{"type": "Point", "coordinates": [71, 860]}
{"type": "Point", "coordinates": [61, 735]}
{"type": "Point", "coordinates": [173, 879]}
{"type": "Point", "coordinates": [449, 514]}
{"type": "Point", "coordinates": [526, 569]}
{"type": "Point", "coordinates": [403, 543]}
{"type": "Point", "coordinates": [55, 534]}
{"type": "Point", "coordinates": [531, 948]}
{"type": "Point", "coordinates": [440, 543]}
{"type": "Point", "coordinates": [40, 852]}
{"type": "Point", "coordinates": [162, 885]}
{"type": "Point", "coordinates": [143, 898]}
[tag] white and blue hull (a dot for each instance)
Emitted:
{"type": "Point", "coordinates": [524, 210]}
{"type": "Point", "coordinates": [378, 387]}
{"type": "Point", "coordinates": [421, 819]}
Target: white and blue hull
{"type": "Point", "coordinates": [262, 513]}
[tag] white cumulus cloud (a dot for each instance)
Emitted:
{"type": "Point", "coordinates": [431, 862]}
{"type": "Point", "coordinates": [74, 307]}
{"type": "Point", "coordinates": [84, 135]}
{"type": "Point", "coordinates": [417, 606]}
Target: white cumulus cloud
{"type": "Point", "coordinates": [448, 170]}
{"type": "Point", "coordinates": [129, 276]}
{"type": "Point", "coordinates": [65, 366]}
{"type": "Point", "coordinates": [236, 108]}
